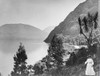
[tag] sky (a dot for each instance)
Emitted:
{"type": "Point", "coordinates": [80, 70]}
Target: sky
{"type": "Point", "coordinates": [38, 13]}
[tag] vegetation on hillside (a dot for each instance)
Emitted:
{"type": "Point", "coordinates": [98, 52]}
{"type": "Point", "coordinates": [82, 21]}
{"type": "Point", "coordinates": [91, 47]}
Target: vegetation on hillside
{"type": "Point", "coordinates": [66, 26]}
{"type": "Point", "coordinates": [74, 65]}
{"type": "Point", "coordinates": [63, 58]}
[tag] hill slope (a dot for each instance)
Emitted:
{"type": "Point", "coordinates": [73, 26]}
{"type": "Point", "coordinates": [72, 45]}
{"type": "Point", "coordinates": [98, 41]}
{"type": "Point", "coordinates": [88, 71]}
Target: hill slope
{"type": "Point", "coordinates": [70, 24]}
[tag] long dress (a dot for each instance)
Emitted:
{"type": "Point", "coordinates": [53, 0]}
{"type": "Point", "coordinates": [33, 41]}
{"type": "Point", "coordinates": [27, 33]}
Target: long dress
{"type": "Point", "coordinates": [89, 68]}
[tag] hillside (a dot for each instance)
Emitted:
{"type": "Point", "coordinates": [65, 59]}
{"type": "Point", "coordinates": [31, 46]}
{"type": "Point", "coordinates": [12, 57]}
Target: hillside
{"type": "Point", "coordinates": [21, 31]}
{"type": "Point", "coordinates": [70, 24]}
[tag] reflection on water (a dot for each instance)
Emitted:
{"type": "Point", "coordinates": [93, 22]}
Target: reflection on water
{"type": "Point", "coordinates": [35, 52]}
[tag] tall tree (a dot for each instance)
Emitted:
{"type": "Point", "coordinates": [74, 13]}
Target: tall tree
{"type": "Point", "coordinates": [56, 49]}
{"type": "Point", "coordinates": [20, 68]}
{"type": "Point", "coordinates": [88, 24]}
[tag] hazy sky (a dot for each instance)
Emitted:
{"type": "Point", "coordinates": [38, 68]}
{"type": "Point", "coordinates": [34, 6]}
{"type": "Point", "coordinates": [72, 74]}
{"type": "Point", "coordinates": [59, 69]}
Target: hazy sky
{"type": "Point", "coordinates": [39, 13]}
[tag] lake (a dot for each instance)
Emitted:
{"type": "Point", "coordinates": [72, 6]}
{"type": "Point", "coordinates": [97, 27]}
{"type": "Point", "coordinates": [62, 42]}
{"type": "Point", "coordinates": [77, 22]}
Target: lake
{"type": "Point", "coordinates": [34, 50]}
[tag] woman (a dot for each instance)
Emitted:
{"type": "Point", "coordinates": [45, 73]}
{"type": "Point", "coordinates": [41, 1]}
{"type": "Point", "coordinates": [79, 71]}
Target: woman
{"type": "Point", "coordinates": [89, 68]}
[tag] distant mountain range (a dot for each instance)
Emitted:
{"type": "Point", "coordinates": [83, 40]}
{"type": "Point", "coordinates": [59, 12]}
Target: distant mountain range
{"type": "Point", "coordinates": [21, 31]}
{"type": "Point", "coordinates": [12, 34]}
{"type": "Point", "coordinates": [70, 25]}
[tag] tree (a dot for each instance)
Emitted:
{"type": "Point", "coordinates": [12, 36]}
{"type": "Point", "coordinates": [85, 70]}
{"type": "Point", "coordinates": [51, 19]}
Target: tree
{"type": "Point", "coordinates": [30, 70]}
{"type": "Point", "coordinates": [0, 74]}
{"type": "Point", "coordinates": [88, 24]}
{"type": "Point", "coordinates": [49, 62]}
{"type": "Point", "coordinates": [56, 49]}
{"type": "Point", "coordinates": [20, 68]}
{"type": "Point", "coordinates": [39, 68]}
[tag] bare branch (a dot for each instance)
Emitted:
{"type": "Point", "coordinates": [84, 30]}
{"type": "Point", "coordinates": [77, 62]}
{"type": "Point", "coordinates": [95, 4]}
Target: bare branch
{"type": "Point", "coordinates": [84, 35]}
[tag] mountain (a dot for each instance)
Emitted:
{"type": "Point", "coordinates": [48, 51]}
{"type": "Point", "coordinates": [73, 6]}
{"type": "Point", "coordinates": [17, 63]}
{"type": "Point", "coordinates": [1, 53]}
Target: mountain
{"type": "Point", "coordinates": [12, 34]}
{"type": "Point", "coordinates": [49, 29]}
{"type": "Point", "coordinates": [21, 31]}
{"type": "Point", "coordinates": [70, 25]}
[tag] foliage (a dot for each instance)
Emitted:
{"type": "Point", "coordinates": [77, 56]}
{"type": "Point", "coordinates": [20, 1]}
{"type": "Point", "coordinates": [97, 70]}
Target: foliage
{"type": "Point", "coordinates": [30, 70]}
{"type": "Point", "coordinates": [20, 68]}
{"type": "Point", "coordinates": [54, 59]}
{"type": "Point", "coordinates": [87, 26]}
{"type": "Point", "coordinates": [89, 35]}
{"type": "Point", "coordinates": [56, 49]}
{"type": "Point", "coordinates": [39, 68]}
{"type": "Point", "coordinates": [76, 40]}
{"type": "Point", "coordinates": [49, 62]}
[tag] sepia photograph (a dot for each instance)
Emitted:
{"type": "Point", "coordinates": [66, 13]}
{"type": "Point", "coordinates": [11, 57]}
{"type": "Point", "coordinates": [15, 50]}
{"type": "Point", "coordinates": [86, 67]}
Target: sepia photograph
{"type": "Point", "coordinates": [49, 37]}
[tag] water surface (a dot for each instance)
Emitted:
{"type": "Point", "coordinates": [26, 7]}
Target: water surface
{"type": "Point", "coordinates": [35, 52]}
